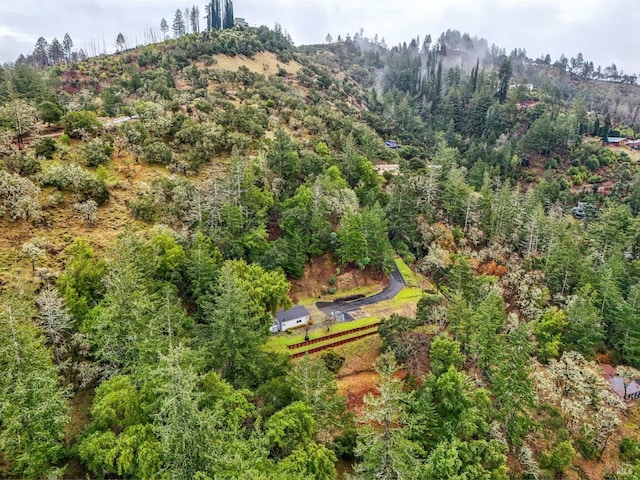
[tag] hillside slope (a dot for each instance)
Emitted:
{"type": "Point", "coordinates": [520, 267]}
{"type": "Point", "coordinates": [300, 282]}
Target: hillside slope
{"type": "Point", "coordinates": [155, 206]}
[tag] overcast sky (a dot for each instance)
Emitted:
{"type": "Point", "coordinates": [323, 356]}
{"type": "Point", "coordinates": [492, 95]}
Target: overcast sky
{"type": "Point", "coordinates": [604, 31]}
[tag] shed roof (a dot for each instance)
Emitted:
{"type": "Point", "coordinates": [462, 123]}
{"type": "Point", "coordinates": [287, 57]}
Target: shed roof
{"type": "Point", "coordinates": [617, 385]}
{"type": "Point", "coordinates": [633, 388]}
{"type": "Point", "coordinates": [608, 370]}
{"type": "Point", "coordinates": [293, 313]}
{"type": "Point", "coordinates": [615, 139]}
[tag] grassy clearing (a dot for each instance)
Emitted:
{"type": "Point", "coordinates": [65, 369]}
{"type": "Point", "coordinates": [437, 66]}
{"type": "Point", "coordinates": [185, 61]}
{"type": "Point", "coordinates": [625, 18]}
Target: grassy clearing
{"type": "Point", "coordinates": [403, 304]}
{"type": "Point", "coordinates": [406, 273]}
{"type": "Point", "coordinates": [280, 341]}
{"type": "Point", "coordinates": [360, 355]}
{"type": "Point", "coordinates": [407, 294]}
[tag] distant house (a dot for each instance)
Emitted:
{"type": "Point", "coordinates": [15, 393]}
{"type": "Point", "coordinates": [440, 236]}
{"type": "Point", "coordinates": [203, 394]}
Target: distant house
{"type": "Point", "coordinates": [632, 391]}
{"type": "Point", "coordinates": [526, 104]}
{"type": "Point", "coordinates": [286, 319]}
{"type": "Point", "coordinates": [635, 144]}
{"type": "Point", "coordinates": [585, 210]}
{"type": "Point", "coordinates": [240, 22]}
{"type": "Point", "coordinates": [112, 123]}
{"type": "Point", "coordinates": [391, 144]}
{"type": "Point", "coordinates": [392, 168]}
{"type": "Point", "coordinates": [615, 141]}
{"type": "Point", "coordinates": [528, 86]}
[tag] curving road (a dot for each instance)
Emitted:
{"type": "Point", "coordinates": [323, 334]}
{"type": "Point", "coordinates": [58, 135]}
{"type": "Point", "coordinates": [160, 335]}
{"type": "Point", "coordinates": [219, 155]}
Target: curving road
{"type": "Point", "coordinates": [396, 282]}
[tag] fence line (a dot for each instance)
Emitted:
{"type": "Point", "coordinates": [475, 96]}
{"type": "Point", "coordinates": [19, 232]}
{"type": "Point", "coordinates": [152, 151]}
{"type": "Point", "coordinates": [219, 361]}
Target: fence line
{"type": "Point", "coordinates": [332, 345]}
{"type": "Point", "coordinates": [333, 335]}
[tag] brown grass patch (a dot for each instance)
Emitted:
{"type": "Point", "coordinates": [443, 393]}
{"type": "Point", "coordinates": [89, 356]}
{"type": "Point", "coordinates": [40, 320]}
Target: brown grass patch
{"type": "Point", "coordinates": [355, 387]}
{"type": "Point", "coordinates": [265, 63]}
{"type": "Point", "coordinates": [360, 356]}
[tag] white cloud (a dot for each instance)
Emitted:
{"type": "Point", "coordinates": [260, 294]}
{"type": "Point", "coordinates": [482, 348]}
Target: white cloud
{"type": "Point", "coordinates": [7, 32]}
{"type": "Point", "coordinates": [604, 32]}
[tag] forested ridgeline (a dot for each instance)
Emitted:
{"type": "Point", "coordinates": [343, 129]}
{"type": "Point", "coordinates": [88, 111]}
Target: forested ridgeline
{"type": "Point", "coordinates": [156, 204]}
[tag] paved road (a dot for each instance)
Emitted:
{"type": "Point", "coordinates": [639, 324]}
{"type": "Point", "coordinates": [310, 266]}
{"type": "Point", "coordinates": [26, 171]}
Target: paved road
{"type": "Point", "coordinates": [396, 282]}
{"type": "Point", "coordinates": [114, 122]}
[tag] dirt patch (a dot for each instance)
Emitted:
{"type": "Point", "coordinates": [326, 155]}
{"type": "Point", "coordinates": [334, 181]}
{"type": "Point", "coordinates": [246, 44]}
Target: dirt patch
{"type": "Point", "coordinates": [315, 278]}
{"type": "Point", "coordinates": [360, 356]}
{"type": "Point", "coordinates": [383, 310]}
{"type": "Point", "coordinates": [324, 276]}
{"type": "Point", "coordinates": [80, 407]}
{"type": "Point", "coordinates": [264, 62]}
{"type": "Point", "coordinates": [355, 387]}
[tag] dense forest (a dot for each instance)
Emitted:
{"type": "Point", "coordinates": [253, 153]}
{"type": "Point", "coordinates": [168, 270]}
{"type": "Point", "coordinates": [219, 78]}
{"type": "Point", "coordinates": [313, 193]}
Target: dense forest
{"type": "Point", "coordinates": [158, 204]}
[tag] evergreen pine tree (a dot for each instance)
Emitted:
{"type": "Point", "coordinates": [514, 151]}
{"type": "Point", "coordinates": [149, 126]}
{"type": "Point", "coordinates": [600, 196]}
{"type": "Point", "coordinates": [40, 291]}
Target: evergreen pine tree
{"type": "Point", "coordinates": [217, 15]}
{"type": "Point", "coordinates": [164, 27]}
{"type": "Point", "coordinates": [179, 27]}
{"type": "Point", "coordinates": [120, 42]}
{"type": "Point", "coordinates": [504, 75]}
{"type": "Point", "coordinates": [67, 45]}
{"type": "Point", "coordinates": [41, 53]}
{"type": "Point", "coordinates": [56, 53]}
{"type": "Point", "coordinates": [228, 14]}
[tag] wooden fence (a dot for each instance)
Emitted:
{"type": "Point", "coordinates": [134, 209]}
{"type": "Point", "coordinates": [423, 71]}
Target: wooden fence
{"type": "Point", "coordinates": [334, 344]}
{"type": "Point", "coordinates": [333, 335]}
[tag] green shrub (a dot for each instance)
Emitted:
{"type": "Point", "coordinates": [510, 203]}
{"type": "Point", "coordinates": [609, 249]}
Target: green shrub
{"type": "Point", "coordinates": [22, 164]}
{"type": "Point", "coordinates": [45, 147]}
{"type": "Point", "coordinates": [592, 163]}
{"type": "Point", "coordinates": [74, 123]}
{"type": "Point", "coordinates": [157, 152]}
{"type": "Point", "coordinates": [49, 112]}
{"type": "Point", "coordinates": [98, 151]}
{"type": "Point", "coordinates": [559, 458]}
{"type": "Point", "coordinates": [143, 208]}
{"type": "Point", "coordinates": [630, 450]}
{"type": "Point", "coordinates": [69, 176]}
{"type": "Point", "coordinates": [595, 179]}
{"type": "Point", "coordinates": [93, 189]}
{"type": "Point", "coordinates": [332, 360]}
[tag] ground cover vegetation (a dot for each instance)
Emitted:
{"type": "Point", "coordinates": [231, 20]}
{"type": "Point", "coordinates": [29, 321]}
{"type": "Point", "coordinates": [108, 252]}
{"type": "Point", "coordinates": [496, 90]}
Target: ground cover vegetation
{"type": "Point", "coordinates": [155, 205]}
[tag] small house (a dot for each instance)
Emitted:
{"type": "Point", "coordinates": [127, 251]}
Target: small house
{"type": "Point", "coordinates": [632, 390]}
{"type": "Point", "coordinates": [618, 141]}
{"type": "Point", "coordinates": [635, 144]}
{"type": "Point", "coordinates": [391, 144]}
{"type": "Point", "coordinates": [392, 168]}
{"type": "Point", "coordinates": [286, 319]}
{"type": "Point", "coordinates": [240, 22]}
{"type": "Point", "coordinates": [583, 210]}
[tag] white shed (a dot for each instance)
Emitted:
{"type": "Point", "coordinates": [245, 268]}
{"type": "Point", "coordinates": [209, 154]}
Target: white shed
{"type": "Point", "coordinates": [291, 318]}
